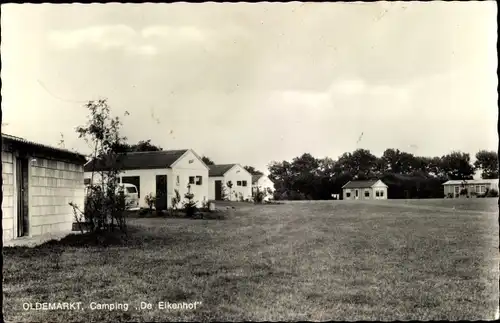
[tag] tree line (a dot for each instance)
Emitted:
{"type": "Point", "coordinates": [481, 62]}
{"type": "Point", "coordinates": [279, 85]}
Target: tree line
{"type": "Point", "coordinates": [407, 175]}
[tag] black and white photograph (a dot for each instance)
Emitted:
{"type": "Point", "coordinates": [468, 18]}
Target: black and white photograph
{"type": "Point", "coordinates": [230, 162]}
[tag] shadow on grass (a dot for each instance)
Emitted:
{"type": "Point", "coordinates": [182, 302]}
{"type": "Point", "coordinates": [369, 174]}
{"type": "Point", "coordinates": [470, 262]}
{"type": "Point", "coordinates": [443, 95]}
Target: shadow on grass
{"type": "Point", "coordinates": [135, 236]}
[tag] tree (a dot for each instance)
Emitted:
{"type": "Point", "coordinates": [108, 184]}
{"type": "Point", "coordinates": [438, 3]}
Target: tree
{"type": "Point", "coordinates": [207, 160]}
{"type": "Point", "coordinates": [399, 162]}
{"type": "Point", "coordinates": [487, 161]}
{"type": "Point", "coordinates": [145, 145]}
{"type": "Point", "coordinates": [253, 171]}
{"type": "Point", "coordinates": [457, 166]}
{"type": "Point", "coordinates": [142, 145]}
{"type": "Point", "coordinates": [361, 164]}
{"type": "Point", "coordinates": [105, 201]}
{"type": "Point", "coordinates": [281, 175]}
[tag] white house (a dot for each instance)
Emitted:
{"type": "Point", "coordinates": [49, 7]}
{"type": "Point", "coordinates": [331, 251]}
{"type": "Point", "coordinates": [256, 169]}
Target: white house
{"type": "Point", "coordinates": [39, 182]}
{"type": "Point", "coordinates": [365, 190]}
{"type": "Point", "coordinates": [264, 184]}
{"type": "Point", "coordinates": [232, 174]}
{"type": "Point", "coordinates": [160, 173]}
{"type": "Point", "coordinates": [473, 186]}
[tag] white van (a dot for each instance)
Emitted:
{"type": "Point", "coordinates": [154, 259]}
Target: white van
{"type": "Point", "coordinates": [131, 195]}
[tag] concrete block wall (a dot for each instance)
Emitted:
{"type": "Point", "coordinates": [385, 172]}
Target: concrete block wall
{"type": "Point", "coordinates": [8, 196]}
{"type": "Point", "coordinates": [53, 185]}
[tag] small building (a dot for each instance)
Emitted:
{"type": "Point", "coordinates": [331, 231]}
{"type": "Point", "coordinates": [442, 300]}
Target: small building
{"type": "Point", "coordinates": [365, 190]}
{"type": "Point", "coordinates": [264, 184]}
{"type": "Point", "coordinates": [39, 182]}
{"type": "Point", "coordinates": [472, 187]}
{"type": "Point", "coordinates": [221, 177]}
{"type": "Point", "coordinates": [160, 173]}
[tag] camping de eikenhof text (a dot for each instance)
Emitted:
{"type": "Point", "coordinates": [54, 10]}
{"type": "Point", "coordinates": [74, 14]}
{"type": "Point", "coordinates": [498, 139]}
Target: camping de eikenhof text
{"type": "Point", "coordinates": [93, 306]}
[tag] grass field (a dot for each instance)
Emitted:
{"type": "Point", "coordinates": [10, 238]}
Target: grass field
{"type": "Point", "coordinates": [387, 260]}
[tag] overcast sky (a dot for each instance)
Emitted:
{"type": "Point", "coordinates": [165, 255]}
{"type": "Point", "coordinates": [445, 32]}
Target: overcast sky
{"type": "Point", "coordinates": [252, 83]}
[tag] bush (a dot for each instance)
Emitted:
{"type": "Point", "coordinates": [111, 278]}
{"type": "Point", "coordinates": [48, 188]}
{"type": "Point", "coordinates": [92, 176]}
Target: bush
{"type": "Point", "coordinates": [190, 204]}
{"type": "Point", "coordinates": [491, 193]}
{"type": "Point", "coordinates": [258, 196]}
{"type": "Point", "coordinates": [175, 202]}
{"type": "Point", "coordinates": [150, 200]}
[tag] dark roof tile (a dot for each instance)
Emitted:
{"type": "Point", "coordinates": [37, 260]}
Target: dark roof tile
{"type": "Point", "coordinates": [256, 177]}
{"type": "Point", "coordinates": [219, 170]}
{"type": "Point", "coordinates": [360, 184]}
{"type": "Point", "coordinates": [141, 160]}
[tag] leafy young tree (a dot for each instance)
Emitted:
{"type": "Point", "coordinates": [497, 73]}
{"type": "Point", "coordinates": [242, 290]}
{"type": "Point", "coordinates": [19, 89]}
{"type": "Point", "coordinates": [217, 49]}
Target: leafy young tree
{"type": "Point", "coordinates": [104, 203]}
{"type": "Point", "coordinates": [207, 160]}
{"type": "Point", "coordinates": [487, 161]}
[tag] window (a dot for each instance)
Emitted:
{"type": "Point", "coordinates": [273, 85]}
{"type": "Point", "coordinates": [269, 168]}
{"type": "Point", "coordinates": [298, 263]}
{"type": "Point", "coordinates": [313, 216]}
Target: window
{"type": "Point", "coordinates": [478, 190]}
{"type": "Point", "coordinates": [357, 193]}
{"type": "Point", "coordinates": [135, 180]}
{"type": "Point", "coordinates": [367, 194]}
{"type": "Point", "coordinates": [86, 181]}
{"type": "Point", "coordinates": [178, 180]}
{"type": "Point", "coordinates": [377, 193]}
{"type": "Point", "coordinates": [191, 179]}
{"type": "Point", "coordinates": [457, 189]}
{"type": "Point", "coordinates": [198, 180]}
{"type": "Point", "coordinates": [244, 183]}
{"type": "Point", "coordinates": [238, 183]}
{"type": "Point", "coordinates": [348, 194]}
{"type": "Point", "coordinates": [483, 189]}
{"type": "Point", "coordinates": [381, 193]}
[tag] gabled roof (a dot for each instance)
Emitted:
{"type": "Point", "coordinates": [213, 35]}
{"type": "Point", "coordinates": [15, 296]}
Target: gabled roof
{"type": "Point", "coordinates": [360, 184]}
{"type": "Point", "coordinates": [219, 170]}
{"type": "Point", "coordinates": [471, 181]}
{"type": "Point", "coordinates": [140, 160]}
{"type": "Point", "coordinates": [256, 177]}
{"type": "Point", "coordinates": [34, 148]}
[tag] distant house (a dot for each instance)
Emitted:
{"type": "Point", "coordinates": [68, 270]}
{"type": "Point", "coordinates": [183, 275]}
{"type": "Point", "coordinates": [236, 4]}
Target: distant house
{"type": "Point", "coordinates": [160, 173]}
{"type": "Point", "coordinates": [239, 177]}
{"type": "Point", "coordinates": [365, 190]}
{"type": "Point", "coordinates": [453, 188]}
{"type": "Point", "coordinates": [39, 182]}
{"type": "Point", "coordinates": [263, 183]}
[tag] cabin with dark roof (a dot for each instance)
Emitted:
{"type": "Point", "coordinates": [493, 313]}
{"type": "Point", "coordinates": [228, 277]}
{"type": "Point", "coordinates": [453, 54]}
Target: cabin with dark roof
{"type": "Point", "coordinates": [159, 173]}
{"type": "Point", "coordinates": [39, 182]}
{"type": "Point", "coordinates": [365, 190]}
{"type": "Point", "coordinates": [229, 182]}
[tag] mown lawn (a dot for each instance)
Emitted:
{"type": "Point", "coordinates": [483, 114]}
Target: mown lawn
{"type": "Point", "coordinates": [389, 260]}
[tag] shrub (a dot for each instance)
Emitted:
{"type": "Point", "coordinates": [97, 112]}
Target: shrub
{"type": "Point", "coordinates": [258, 196]}
{"type": "Point", "coordinates": [205, 204]}
{"type": "Point", "coordinates": [176, 199]}
{"type": "Point", "coordinates": [491, 193]}
{"type": "Point", "coordinates": [150, 200]}
{"type": "Point", "coordinates": [190, 204]}
{"type": "Point", "coordinates": [229, 184]}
